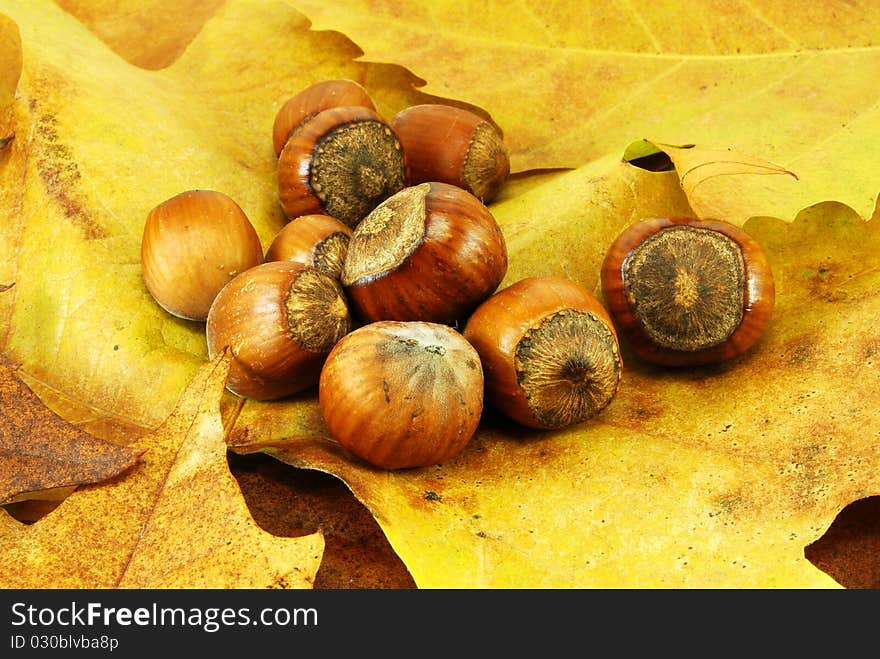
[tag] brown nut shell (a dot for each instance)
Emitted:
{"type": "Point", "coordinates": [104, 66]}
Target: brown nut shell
{"type": "Point", "coordinates": [431, 252]}
{"type": "Point", "coordinates": [549, 352]}
{"type": "Point", "coordinates": [193, 244]}
{"type": "Point", "coordinates": [310, 101]}
{"type": "Point", "coordinates": [317, 240]}
{"type": "Point", "coordinates": [684, 291]}
{"type": "Point", "coordinates": [453, 145]}
{"type": "Point", "coordinates": [402, 394]}
{"type": "Point", "coordinates": [342, 162]}
{"type": "Point", "coordinates": [280, 320]}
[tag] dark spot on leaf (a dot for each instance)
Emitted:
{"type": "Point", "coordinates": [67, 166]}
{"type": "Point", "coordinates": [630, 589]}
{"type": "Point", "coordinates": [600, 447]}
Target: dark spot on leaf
{"type": "Point", "coordinates": [823, 282]}
{"type": "Point", "coordinates": [61, 176]}
{"type": "Point", "coordinates": [798, 351]}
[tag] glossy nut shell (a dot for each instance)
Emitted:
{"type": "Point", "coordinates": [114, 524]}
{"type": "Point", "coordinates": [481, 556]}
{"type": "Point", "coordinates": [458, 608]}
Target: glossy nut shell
{"type": "Point", "coordinates": [549, 352]}
{"type": "Point", "coordinates": [193, 244]}
{"type": "Point", "coordinates": [342, 162]}
{"type": "Point", "coordinates": [453, 145]}
{"type": "Point", "coordinates": [684, 291]}
{"type": "Point", "coordinates": [431, 252]}
{"type": "Point", "coordinates": [402, 394]}
{"type": "Point", "coordinates": [311, 100]}
{"type": "Point", "coordinates": [317, 240]}
{"type": "Point", "coordinates": [280, 320]}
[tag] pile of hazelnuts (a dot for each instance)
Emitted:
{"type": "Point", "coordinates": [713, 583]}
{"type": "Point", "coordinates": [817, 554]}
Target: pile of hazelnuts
{"type": "Point", "coordinates": [382, 287]}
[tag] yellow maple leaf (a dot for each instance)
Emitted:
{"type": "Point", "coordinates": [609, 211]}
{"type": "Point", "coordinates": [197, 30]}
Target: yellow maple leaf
{"type": "Point", "coordinates": [571, 82]}
{"type": "Point", "coordinates": [705, 477]}
{"type": "Point", "coordinates": [716, 476]}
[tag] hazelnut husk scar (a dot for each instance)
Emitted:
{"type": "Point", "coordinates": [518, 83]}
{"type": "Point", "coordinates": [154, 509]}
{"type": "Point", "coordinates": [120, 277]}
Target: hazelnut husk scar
{"type": "Point", "coordinates": [342, 162]}
{"type": "Point", "coordinates": [549, 352]}
{"type": "Point", "coordinates": [430, 252]}
{"type": "Point", "coordinates": [280, 320]}
{"type": "Point", "coordinates": [684, 291]}
{"type": "Point", "coordinates": [453, 145]}
{"type": "Point", "coordinates": [317, 240]}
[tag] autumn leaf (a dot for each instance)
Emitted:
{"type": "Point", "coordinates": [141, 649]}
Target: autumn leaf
{"type": "Point", "coordinates": [698, 477]}
{"type": "Point", "coordinates": [570, 82]}
{"type": "Point", "coordinates": [177, 520]}
{"type": "Point", "coordinates": [295, 502]}
{"type": "Point", "coordinates": [714, 476]}
{"type": "Point", "coordinates": [719, 183]}
{"type": "Point", "coordinates": [104, 142]}
{"type": "Point", "coordinates": [150, 34]}
{"type": "Point", "coordinates": [41, 451]}
{"type": "Point", "coordinates": [10, 70]}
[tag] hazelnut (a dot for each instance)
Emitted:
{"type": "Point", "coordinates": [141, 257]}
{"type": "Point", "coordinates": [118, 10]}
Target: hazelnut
{"type": "Point", "coordinates": [280, 320]}
{"type": "Point", "coordinates": [549, 352]}
{"type": "Point", "coordinates": [342, 162]}
{"type": "Point", "coordinates": [431, 252]}
{"type": "Point", "coordinates": [311, 100]}
{"type": "Point", "coordinates": [402, 394]}
{"type": "Point", "coordinates": [193, 244]}
{"type": "Point", "coordinates": [453, 145]}
{"type": "Point", "coordinates": [317, 240]}
{"type": "Point", "coordinates": [684, 291]}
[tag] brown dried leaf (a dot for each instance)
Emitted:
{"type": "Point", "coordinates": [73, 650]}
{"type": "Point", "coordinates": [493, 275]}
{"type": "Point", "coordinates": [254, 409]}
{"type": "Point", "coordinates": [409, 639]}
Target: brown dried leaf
{"type": "Point", "coordinates": [39, 450]}
{"type": "Point", "coordinates": [177, 520]}
{"type": "Point", "coordinates": [148, 33]}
